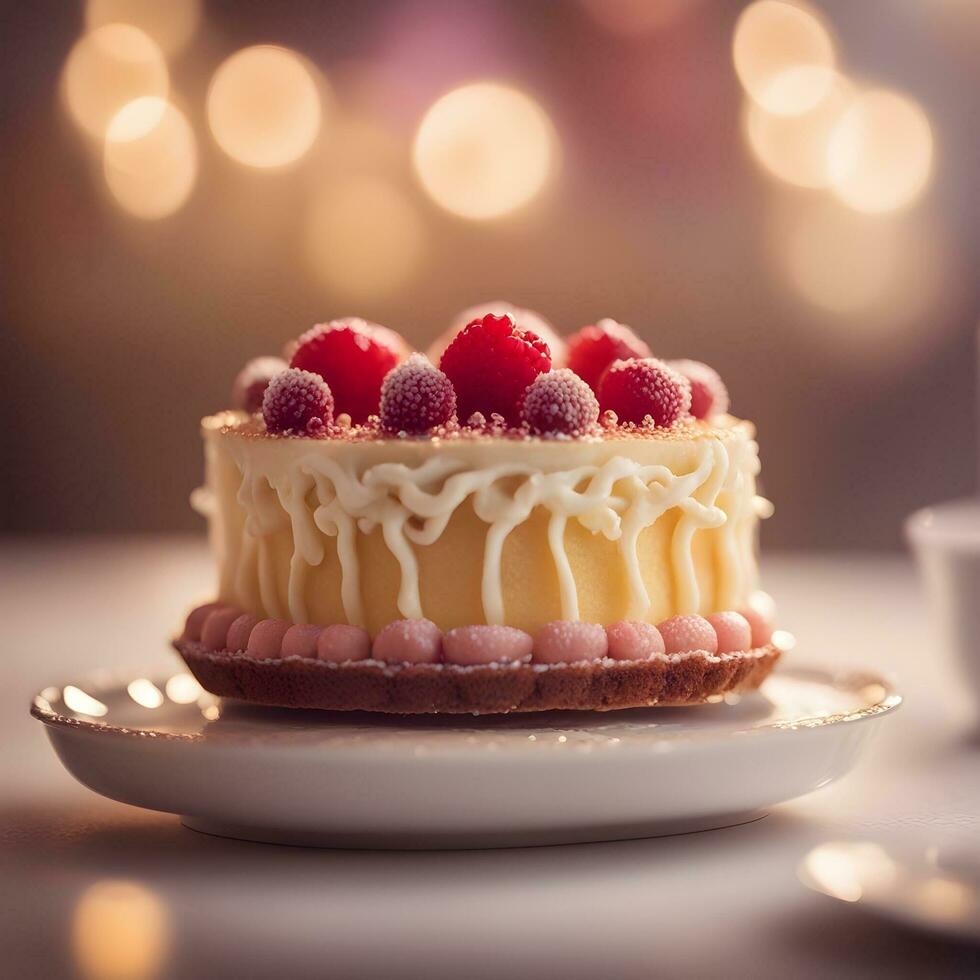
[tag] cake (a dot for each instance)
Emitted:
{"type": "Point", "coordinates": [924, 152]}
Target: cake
{"type": "Point", "coordinates": [506, 530]}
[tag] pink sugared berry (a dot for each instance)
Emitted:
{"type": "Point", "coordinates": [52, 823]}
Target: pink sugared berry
{"type": "Point", "coordinates": [353, 357]}
{"type": "Point", "coordinates": [239, 632]}
{"type": "Point", "coordinates": [416, 396]}
{"type": "Point", "coordinates": [760, 626]}
{"type": "Point", "coordinates": [265, 640]}
{"type": "Point", "coordinates": [733, 631]}
{"type": "Point", "coordinates": [339, 643]}
{"type": "Point", "coordinates": [632, 640]}
{"type": "Point", "coordinates": [491, 363]}
{"type": "Point", "coordinates": [300, 640]}
{"type": "Point", "coordinates": [412, 641]}
{"type": "Point", "coordinates": [594, 348]}
{"type": "Point", "coordinates": [567, 641]}
{"type": "Point", "coordinates": [709, 396]}
{"type": "Point", "coordinates": [470, 645]}
{"type": "Point", "coordinates": [214, 635]}
{"type": "Point", "coordinates": [297, 401]}
{"type": "Point", "coordinates": [646, 387]}
{"type": "Point", "coordinates": [559, 402]}
{"type": "Point", "coordinates": [684, 634]}
{"type": "Point", "coordinates": [252, 380]}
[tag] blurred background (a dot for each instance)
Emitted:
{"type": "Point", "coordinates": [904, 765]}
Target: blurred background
{"type": "Point", "coordinates": [787, 191]}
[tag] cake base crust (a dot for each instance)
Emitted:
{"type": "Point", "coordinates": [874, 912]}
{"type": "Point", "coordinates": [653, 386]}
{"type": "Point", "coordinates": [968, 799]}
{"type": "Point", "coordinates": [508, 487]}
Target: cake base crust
{"type": "Point", "coordinates": [295, 682]}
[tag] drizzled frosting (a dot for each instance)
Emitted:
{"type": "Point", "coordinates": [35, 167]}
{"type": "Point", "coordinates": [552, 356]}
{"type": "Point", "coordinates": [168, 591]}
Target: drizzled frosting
{"type": "Point", "coordinates": [277, 506]}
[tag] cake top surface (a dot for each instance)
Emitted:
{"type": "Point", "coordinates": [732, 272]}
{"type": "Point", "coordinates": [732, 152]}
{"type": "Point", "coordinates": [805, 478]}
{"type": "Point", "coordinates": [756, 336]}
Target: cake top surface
{"type": "Point", "coordinates": [495, 377]}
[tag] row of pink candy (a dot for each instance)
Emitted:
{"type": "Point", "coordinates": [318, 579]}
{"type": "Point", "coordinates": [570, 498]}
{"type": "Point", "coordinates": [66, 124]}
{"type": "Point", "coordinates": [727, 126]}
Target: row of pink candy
{"type": "Point", "coordinates": [219, 627]}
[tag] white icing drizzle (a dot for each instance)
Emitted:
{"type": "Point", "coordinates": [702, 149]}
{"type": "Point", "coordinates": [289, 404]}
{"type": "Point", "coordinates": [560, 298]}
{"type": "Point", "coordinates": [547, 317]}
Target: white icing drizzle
{"type": "Point", "coordinates": [318, 494]}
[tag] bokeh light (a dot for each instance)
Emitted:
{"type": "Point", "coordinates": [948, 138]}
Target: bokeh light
{"type": "Point", "coordinates": [120, 931]}
{"type": "Point", "coordinates": [880, 281]}
{"type": "Point", "coordinates": [880, 152]}
{"type": "Point", "coordinates": [264, 106]}
{"type": "Point", "coordinates": [484, 150]}
{"type": "Point", "coordinates": [784, 56]}
{"type": "Point", "coordinates": [150, 158]}
{"type": "Point", "coordinates": [364, 237]}
{"type": "Point", "coordinates": [795, 148]}
{"type": "Point", "coordinates": [171, 24]}
{"type": "Point", "coordinates": [108, 68]}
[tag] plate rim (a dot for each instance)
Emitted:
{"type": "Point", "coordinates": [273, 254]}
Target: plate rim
{"type": "Point", "coordinates": [889, 701]}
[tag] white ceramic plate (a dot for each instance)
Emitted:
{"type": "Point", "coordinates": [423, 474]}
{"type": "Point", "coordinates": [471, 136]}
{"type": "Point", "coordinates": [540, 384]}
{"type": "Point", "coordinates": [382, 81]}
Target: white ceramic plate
{"type": "Point", "coordinates": [935, 888]}
{"type": "Point", "coordinates": [360, 780]}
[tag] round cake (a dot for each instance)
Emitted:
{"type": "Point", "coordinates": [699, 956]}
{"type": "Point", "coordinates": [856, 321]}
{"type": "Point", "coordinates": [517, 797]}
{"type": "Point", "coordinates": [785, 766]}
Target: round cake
{"type": "Point", "coordinates": [495, 533]}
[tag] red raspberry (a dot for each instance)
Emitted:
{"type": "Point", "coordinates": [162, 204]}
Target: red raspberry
{"type": "Point", "coordinates": [559, 402]}
{"type": "Point", "coordinates": [490, 363]}
{"type": "Point", "coordinates": [637, 388]}
{"type": "Point", "coordinates": [416, 396]}
{"type": "Point", "coordinates": [297, 401]}
{"type": "Point", "coordinates": [353, 357]}
{"type": "Point", "coordinates": [709, 396]}
{"type": "Point", "coordinates": [594, 348]}
{"type": "Point", "coordinates": [252, 380]}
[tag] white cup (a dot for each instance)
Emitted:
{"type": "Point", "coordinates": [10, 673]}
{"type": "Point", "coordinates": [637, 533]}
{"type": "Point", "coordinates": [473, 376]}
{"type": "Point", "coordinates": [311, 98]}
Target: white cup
{"type": "Point", "coordinates": [946, 542]}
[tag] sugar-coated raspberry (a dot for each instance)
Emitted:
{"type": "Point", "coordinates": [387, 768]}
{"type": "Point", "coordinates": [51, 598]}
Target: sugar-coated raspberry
{"type": "Point", "coordinates": [416, 396]}
{"type": "Point", "coordinates": [469, 645]}
{"type": "Point", "coordinates": [297, 401]}
{"type": "Point", "coordinates": [559, 402]}
{"type": "Point", "coordinates": [709, 396]}
{"type": "Point", "coordinates": [685, 634]}
{"type": "Point", "coordinates": [594, 348]}
{"type": "Point", "coordinates": [252, 380]}
{"type": "Point", "coordinates": [646, 387]}
{"type": "Point", "coordinates": [733, 630]}
{"type": "Point", "coordinates": [410, 641]}
{"type": "Point", "coordinates": [490, 363]}
{"type": "Point", "coordinates": [632, 640]}
{"type": "Point", "coordinates": [353, 357]}
{"type": "Point", "coordinates": [525, 320]}
{"type": "Point", "coordinates": [567, 642]}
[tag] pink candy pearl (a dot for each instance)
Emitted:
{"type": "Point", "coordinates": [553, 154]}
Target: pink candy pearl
{"type": "Point", "coordinates": [195, 620]}
{"type": "Point", "coordinates": [265, 640]}
{"type": "Point", "coordinates": [685, 634]}
{"type": "Point", "coordinates": [733, 632]}
{"type": "Point", "coordinates": [630, 640]}
{"type": "Point", "coordinates": [214, 635]}
{"type": "Point", "coordinates": [410, 641]}
{"type": "Point", "coordinates": [300, 640]}
{"type": "Point", "coordinates": [340, 643]}
{"type": "Point", "coordinates": [468, 645]}
{"type": "Point", "coordinates": [759, 625]}
{"type": "Point", "coordinates": [567, 642]}
{"type": "Point", "coordinates": [239, 632]}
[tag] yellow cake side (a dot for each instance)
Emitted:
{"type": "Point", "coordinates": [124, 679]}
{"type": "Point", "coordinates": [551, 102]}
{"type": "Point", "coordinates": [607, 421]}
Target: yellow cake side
{"type": "Point", "coordinates": [482, 530]}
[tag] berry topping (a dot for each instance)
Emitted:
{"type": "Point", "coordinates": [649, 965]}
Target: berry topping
{"type": "Point", "coordinates": [525, 320]}
{"type": "Point", "coordinates": [490, 363]}
{"type": "Point", "coordinates": [559, 402]}
{"type": "Point", "coordinates": [567, 642]}
{"type": "Point", "coordinates": [252, 380]}
{"type": "Point", "coordinates": [297, 401]}
{"type": "Point", "coordinates": [641, 389]}
{"type": "Point", "coordinates": [685, 634]}
{"type": "Point", "coordinates": [709, 396]}
{"type": "Point", "coordinates": [416, 396]}
{"type": "Point", "coordinates": [594, 348]}
{"type": "Point", "coordinates": [353, 357]}
{"type": "Point", "coordinates": [733, 630]}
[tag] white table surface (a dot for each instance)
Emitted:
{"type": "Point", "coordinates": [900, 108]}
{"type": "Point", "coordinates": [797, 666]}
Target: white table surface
{"type": "Point", "coordinates": [719, 903]}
